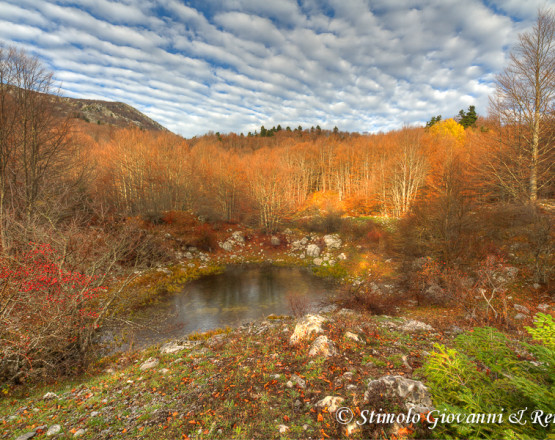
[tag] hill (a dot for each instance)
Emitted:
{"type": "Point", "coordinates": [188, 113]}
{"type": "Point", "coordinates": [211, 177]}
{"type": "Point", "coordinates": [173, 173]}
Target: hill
{"type": "Point", "coordinates": [100, 112]}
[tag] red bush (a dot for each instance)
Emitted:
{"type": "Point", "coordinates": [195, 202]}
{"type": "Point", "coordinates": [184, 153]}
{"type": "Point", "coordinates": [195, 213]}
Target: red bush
{"type": "Point", "coordinates": [47, 314]}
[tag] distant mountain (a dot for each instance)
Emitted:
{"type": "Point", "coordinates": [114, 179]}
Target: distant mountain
{"type": "Point", "coordinates": [95, 111]}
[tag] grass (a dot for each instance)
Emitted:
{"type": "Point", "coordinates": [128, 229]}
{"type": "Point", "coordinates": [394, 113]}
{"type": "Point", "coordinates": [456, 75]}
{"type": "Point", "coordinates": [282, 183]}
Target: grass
{"type": "Point", "coordinates": [219, 389]}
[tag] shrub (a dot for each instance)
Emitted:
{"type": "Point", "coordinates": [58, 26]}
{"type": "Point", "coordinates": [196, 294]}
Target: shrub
{"type": "Point", "coordinates": [47, 315]}
{"type": "Point", "coordinates": [488, 373]}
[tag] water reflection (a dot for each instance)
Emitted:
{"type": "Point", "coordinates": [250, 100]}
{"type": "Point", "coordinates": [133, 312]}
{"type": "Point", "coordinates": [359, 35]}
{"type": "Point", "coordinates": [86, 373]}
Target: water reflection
{"type": "Point", "coordinates": [240, 294]}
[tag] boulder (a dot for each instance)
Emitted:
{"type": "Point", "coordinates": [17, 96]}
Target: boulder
{"type": "Point", "coordinates": [53, 430]}
{"type": "Point", "coordinates": [226, 245]}
{"type": "Point", "coordinates": [296, 245]}
{"type": "Point", "coordinates": [412, 393]}
{"type": "Point", "coordinates": [313, 250]}
{"type": "Point", "coordinates": [149, 363]}
{"type": "Point", "coordinates": [332, 241]}
{"type": "Point", "coordinates": [413, 326]}
{"type": "Point", "coordinates": [332, 403]}
{"type": "Point", "coordinates": [305, 327]}
{"type": "Point", "coordinates": [322, 346]}
{"type": "Point", "coordinates": [275, 241]}
{"type": "Point", "coordinates": [342, 256]}
{"type": "Point", "coordinates": [317, 261]}
{"type": "Point", "coordinates": [238, 236]}
{"type": "Point", "coordinates": [352, 336]}
{"type": "Point", "coordinates": [171, 347]}
{"type": "Point", "coordinates": [522, 309]}
{"type": "Point", "coordinates": [296, 380]}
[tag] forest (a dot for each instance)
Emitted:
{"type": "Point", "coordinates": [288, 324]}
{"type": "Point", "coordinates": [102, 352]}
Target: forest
{"type": "Point", "coordinates": [84, 205]}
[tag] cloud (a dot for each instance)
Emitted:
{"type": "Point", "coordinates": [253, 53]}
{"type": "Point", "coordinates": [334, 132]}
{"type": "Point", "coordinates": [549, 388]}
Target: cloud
{"type": "Point", "coordinates": [235, 65]}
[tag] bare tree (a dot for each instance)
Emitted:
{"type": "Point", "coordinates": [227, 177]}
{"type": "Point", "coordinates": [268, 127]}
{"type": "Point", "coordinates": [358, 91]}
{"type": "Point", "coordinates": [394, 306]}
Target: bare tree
{"type": "Point", "coordinates": [36, 149]}
{"type": "Point", "coordinates": [524, 99]}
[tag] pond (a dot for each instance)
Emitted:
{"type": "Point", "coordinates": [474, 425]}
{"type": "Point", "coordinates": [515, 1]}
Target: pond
{"type": "Point", "coordinates": [238, 295]}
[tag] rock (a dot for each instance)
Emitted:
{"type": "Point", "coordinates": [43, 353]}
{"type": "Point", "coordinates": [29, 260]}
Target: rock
{"type": "Point", "coordinates": [79, 433]}
{"type": "Point", "coordinates": [413, 326]}
{"type": "Point", "coordinates": [522, 309]}
{"type": "Point", "coordinates": [298, 381]}
{"type": "Point", "coordinates": [328, 309]}
{"type": "Point", "coordinates": [351, 428]}
{"type": "Point", "coordinates": [53, 430]}
{"type": "Point", "coordinates": [283, 429]}
{"type": "Point", "coordinates": [27, 435]}
{"type": "Point", "coordinates": [226, 245]}
{"type": "Point", "coordinates": [164, 371]}
{"type": "Point", "coordinates": [413, 393]}
{"type": "Point", "coordinates": [332, 403]}
{"type": "Point", "coordinates": [296, 245]}
{"type": "Point", "coordinates": [306, 326]}
{"type": "Point", "coordinates": [238, 236]}
{"type": "Point", "coordinates": [543, 307]}
{"type": "Point", "coordinates": [342, 256]}
{"type": "Point", "coordinates": [322, 346]}
{"type": "Point", "coordinates": [312, 250]}
{"type": "Point", "coordinates": [317, 261]}
{"type": "Point", "coordinates": [171, 347]}
{"type": "Point", "coordinates": [352, 336]}
{"type": "Point", "coordinates": [520, 316]}
{"type": "Point", "coordinates": [275, 241]}
{"type": "Point", "coordinates": [188, 255]}
{"type": "Point", "coordinates": [332, 241]}
{"type": "Point", "coordinates": [510, 273]}
{"type": "Point", "coordinates": [536, 286]}
{"type": "Point", "coordinates": [50, 396]}
{"type": "Point", "coordinates": [149, 363]}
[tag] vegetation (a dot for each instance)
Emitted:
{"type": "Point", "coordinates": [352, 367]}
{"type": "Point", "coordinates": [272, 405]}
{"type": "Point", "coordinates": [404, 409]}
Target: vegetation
{"type": "Point", "coordinates": [487, 373]}
{"type": "Point", "coordinates": [451, 223]}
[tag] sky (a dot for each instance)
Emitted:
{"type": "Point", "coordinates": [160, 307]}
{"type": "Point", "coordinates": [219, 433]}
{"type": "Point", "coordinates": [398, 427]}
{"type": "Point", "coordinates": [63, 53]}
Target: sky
{"type": "Point", "coordinates": [234, 65]}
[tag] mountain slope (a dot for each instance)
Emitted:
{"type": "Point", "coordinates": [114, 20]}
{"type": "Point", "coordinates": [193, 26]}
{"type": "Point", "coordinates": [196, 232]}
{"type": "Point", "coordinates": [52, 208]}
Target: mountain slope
{"type": "Point", "coordinates": [95, 111]}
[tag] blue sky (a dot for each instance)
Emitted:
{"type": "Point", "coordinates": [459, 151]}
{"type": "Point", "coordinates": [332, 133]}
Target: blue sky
{"type": "Point", "coordinates": [233, 65]}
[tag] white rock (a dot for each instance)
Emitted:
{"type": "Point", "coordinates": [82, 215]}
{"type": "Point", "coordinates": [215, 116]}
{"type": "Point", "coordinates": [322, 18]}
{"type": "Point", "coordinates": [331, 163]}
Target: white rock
{"type": "Point", "coordinates": [149, 363]}
{"type": "Point", "coordinates": [413, 393]}
{"type": "Point", "coordinates": [415, 326]}
{"type": "Point", "coordinates": [283, 429]}
{"type": "Point", "coordinates": [238, 236]}
{"type": "Point", "coordinates": [522, 309]}
{"type": "Point", "coordinates": [275, 241]}
{"type": "Point", "coordinates": [79, 433]}
{"type": "Point", "coordinates": [322, 346]}
{"type": "Point", "coordinates": [312, 250]}
{"type": "Point", "coordinates": [171, 347]}
{"type": "Point", "coordinates": [342, 256]}
{"type": "Point", "coordinates": [352, 336]}
{"type": "Point", "coordinates": [317, 261]}
{"type": "Point", "coordinates": [305, 327]}
{"type": "Point", "coordinates": [50, 395]}
{"type": "Point", "coordinates": [543, 307]}
{"type": "Point", "coordinates": [332, 241]}
{"type": "Point", "coordinates": [53, 430]}
{"type": "Point", "coordinates": [332, 403]}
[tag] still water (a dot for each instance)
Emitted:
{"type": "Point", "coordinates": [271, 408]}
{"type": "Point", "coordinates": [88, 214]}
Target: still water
{"type": "Point", "coordinates": [240, 294]}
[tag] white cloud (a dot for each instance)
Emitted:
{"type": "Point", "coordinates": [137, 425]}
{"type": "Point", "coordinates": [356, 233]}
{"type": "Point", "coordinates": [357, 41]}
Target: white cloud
{"type": "Point", "coordinates": [235, 65]}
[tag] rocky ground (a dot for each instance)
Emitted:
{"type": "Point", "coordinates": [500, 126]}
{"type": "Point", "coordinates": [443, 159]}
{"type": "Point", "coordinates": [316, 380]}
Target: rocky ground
{"type": "Point", "coordinates": [282, 377]}
{"type": "Point", "coordinates": [277, 378]}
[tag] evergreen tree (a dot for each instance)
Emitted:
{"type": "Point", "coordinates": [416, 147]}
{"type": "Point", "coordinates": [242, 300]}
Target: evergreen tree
{"type": "Point", "coordinates": [468, 119]}
{"type": "Point", "coordinates": [434, 120]}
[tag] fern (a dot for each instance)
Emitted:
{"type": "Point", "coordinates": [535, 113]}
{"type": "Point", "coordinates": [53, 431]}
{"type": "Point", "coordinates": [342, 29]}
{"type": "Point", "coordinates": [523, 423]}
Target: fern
{"type": "Point", "coordinates": [486, 373]}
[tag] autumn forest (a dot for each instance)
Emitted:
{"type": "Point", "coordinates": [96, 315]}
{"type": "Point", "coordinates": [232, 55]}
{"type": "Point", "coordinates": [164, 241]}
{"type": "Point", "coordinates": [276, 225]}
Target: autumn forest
{"type": "Point", "coordinates": [457, 215]}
